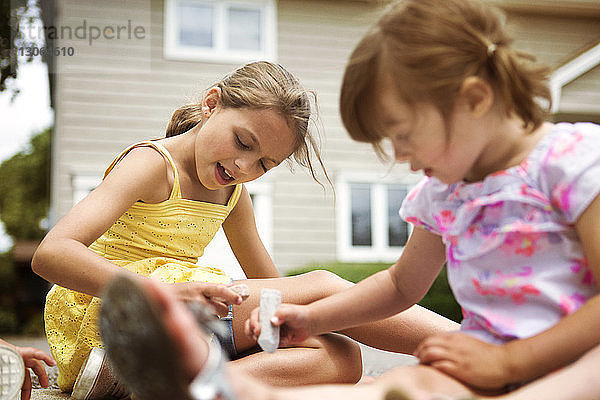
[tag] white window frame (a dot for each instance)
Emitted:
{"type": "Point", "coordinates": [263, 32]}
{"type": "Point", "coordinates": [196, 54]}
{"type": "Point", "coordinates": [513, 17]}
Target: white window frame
{"type": "Point", "coordinates": [220, 53]}
{"type": "Point", "coordinates": [379, 251]}
{"type": "Point", "coordinates": [82, 184]}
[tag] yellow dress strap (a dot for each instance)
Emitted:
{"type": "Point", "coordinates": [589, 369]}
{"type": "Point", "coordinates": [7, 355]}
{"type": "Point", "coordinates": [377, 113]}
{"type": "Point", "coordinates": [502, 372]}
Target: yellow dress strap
{"type": "Point", "coordinates": [235, 196]}
{"type": "Point", "coordinates": [176, 191]}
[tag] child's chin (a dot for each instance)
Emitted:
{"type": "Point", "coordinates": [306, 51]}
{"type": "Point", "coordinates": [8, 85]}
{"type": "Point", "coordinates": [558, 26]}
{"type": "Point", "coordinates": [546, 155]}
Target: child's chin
{"type": "Point", "coordinates": [446, 180]}
{"type": "Point", "coordinates": [210, 185]}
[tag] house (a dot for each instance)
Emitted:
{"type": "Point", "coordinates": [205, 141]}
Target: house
{"type": "Point", "coordinates": [126, 65]}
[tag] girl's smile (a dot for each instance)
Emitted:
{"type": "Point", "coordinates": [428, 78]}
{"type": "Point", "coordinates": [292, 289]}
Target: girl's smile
{"type": "Point", "coordinates": [223, 176]}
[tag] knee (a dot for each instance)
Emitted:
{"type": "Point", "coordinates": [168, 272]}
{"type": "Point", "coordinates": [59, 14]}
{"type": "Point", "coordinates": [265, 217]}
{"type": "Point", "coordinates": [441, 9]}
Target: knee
{"type": "Point", "coordinates": [328, 282]}
{"type": "Point", "coordinates": [346, 356]}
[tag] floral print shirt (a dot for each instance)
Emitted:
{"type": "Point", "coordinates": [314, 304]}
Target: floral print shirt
{"type": "Point", "coordinates": [515, 262]}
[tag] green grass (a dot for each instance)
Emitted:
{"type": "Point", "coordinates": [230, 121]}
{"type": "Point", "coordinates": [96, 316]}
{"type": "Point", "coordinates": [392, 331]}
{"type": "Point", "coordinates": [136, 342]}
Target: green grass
{"type": "Point", "coordinates": [439, 298]}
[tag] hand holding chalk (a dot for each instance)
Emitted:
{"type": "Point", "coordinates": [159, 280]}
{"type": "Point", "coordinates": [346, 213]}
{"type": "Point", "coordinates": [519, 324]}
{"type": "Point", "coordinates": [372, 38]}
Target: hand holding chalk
{"type": "Point", "coordinates": [241, 289]}
{"type": "Point", "coordinates": [270, 301]}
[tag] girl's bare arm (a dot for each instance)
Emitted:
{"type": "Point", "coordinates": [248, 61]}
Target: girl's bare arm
{"type": "Point", "coordinates": [240, 229]}
{"type": "Point", "coordinates": [385, 293]}
{"type": "Point", "coordinates": [63, 256]}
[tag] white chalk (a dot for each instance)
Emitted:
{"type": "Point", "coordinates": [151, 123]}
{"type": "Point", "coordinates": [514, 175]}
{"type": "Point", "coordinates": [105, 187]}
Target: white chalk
{"type": "Point", "coordinates": [270, 300]}
{"type": "Point", "coordinates": [242, 289]}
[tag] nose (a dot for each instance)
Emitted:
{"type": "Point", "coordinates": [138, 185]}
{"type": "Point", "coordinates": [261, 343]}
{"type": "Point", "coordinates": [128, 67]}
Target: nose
{"type": "Point", "coordinates": [245, 164]}
{"type": "Point", "coordinates": [400, 155]}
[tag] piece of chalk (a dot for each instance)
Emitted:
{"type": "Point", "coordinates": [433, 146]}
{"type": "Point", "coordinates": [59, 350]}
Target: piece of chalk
{"type": "Point", "coordinates": [270, 300]}
{"type": "Point", "coordinates": [242, 289]}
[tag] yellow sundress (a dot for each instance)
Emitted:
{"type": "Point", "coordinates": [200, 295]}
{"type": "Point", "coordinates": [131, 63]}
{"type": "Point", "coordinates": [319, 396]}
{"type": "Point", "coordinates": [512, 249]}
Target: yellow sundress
{"type": "Point", "coordinates": [161, 240]}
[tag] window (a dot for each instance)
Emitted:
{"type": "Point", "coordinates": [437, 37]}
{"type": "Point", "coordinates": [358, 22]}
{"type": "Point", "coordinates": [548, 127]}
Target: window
{"type": "Point", "coordinates": [368, 225]}
{"type": "Point", "coordinates": [397, 228]}
{"type": "Point", "coordinates": [360, 204]}
{"type": "Point", "coordinates": [82, 184]}
{"type": "Point", "coordinates": [220, 31]}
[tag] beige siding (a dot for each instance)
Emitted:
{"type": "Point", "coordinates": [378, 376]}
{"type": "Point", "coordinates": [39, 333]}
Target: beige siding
{"type": "Point", "coordinates": [555, 40]}
{"type": "Point", "coordinates": [578, 8]}
{"type": "Point", "coordinates": [582, 96]}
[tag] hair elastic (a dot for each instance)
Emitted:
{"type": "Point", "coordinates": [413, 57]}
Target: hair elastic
{"type": "Point", "coordinates": [491, 49]}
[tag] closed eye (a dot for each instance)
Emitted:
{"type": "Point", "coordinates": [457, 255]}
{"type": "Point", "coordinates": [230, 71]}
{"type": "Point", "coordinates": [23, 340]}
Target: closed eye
{"type": "Point", "coordinates": [241, 144]}
{"type": "Point", "coordinates": [264, 167]}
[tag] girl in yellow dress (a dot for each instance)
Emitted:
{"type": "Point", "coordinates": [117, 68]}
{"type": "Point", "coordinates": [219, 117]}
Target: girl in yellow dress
{"type": "Point", "coordinates": [160, 204]}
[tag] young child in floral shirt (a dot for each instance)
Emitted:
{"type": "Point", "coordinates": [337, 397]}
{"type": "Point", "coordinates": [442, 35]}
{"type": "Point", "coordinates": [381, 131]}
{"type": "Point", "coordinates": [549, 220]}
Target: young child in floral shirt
{"type": "Point", "coordinates": [509, 202]}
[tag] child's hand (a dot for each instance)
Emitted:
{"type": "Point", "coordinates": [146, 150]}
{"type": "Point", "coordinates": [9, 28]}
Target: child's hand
{"type": "Point", "coordinates": [32, 358]}
{"type": "Point", "coordinates": [293, 319]}
{"type": "Point", "coordinates": [217, 295]}
{"type": "Point", "coordinates": [467, 359]}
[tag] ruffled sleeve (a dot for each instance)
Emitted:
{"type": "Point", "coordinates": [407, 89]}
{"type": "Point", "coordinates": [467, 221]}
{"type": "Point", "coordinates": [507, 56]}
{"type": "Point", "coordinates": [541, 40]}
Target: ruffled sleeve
{"type": "Point", "coordinates": [416, 208]}
{"type": "Point", "coordinates": [570, 172]}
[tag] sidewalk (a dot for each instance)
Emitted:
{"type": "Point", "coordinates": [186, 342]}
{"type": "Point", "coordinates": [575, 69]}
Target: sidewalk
{"type": "Point", "coordinates": [375, 362]}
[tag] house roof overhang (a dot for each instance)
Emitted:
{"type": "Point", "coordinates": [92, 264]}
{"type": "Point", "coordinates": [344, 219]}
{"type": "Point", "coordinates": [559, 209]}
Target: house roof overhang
{"type": "Point", "coordinates": [574, 8]}
{"type": "Point", "coordinates": [571, 71]}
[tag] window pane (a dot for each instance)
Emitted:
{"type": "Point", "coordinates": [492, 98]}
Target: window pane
{"type": "Point", "coordinates": [360, 198]}
{"type": "Point", "coordinates": [398, 229]}
{"type": "Point", "coordinates": [195, 24]}
{"type": "Point", "coordinates": [244, 29]}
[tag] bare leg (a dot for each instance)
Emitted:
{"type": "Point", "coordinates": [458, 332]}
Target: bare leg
{"type": "Point", "coordinates": [400, 333]}
{"type": "Point", "coordinates": [578, 381]}
{"type": "Point", "coordinates": [323, 359]}
{"type": "Point", "coordinates": [417, 383]}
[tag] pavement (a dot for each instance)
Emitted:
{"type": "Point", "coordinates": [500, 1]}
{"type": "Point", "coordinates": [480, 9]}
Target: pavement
{"type": "Point", "coordinates": [375, 362]}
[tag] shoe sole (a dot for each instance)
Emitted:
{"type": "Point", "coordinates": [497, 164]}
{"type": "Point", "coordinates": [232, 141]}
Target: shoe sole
{"type": "Point", "coordinates": [12, 373]}
{"type": "Point", "coordinates": [88, 374]}
{"type": "Point", "coordinates": [137, 344]}
{"type": "Point", "coordinates": [96, 380]}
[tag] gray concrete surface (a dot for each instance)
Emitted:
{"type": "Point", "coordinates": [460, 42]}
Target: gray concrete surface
{"type": "Point", "coordinates": [375, 362]}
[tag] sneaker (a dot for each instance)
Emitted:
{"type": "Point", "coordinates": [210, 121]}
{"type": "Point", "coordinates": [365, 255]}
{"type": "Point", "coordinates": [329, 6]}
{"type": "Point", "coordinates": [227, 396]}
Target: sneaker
{"type": "Point", "coordinates": [12, 373]}
{"type": "Point", "coordinates": [96, 380]}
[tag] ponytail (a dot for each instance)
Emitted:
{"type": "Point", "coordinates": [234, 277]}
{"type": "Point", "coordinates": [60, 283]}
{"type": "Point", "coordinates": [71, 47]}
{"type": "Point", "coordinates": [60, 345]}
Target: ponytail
{"type": "Point", "coordinates": [184, 119]}
{"type": "Point", "coordinates": [522, 84]}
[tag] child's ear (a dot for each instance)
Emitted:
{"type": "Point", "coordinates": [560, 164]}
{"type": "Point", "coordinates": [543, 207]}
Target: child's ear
{"type": "Point", "coordinates": [477, 95]}
{"type": "Point", "coordinates": [212, 99]}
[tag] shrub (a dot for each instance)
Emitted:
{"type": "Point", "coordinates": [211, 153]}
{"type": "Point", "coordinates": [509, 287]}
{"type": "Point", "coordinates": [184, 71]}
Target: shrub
{"type": "Point", "coordinates": [8, 321]}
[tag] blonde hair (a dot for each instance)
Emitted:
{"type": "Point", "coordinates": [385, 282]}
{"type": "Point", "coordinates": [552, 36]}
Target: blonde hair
{"type": "Point", "coordinates": [263, 85]}
{"type": "Point", "coordinates": [430, 47]}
